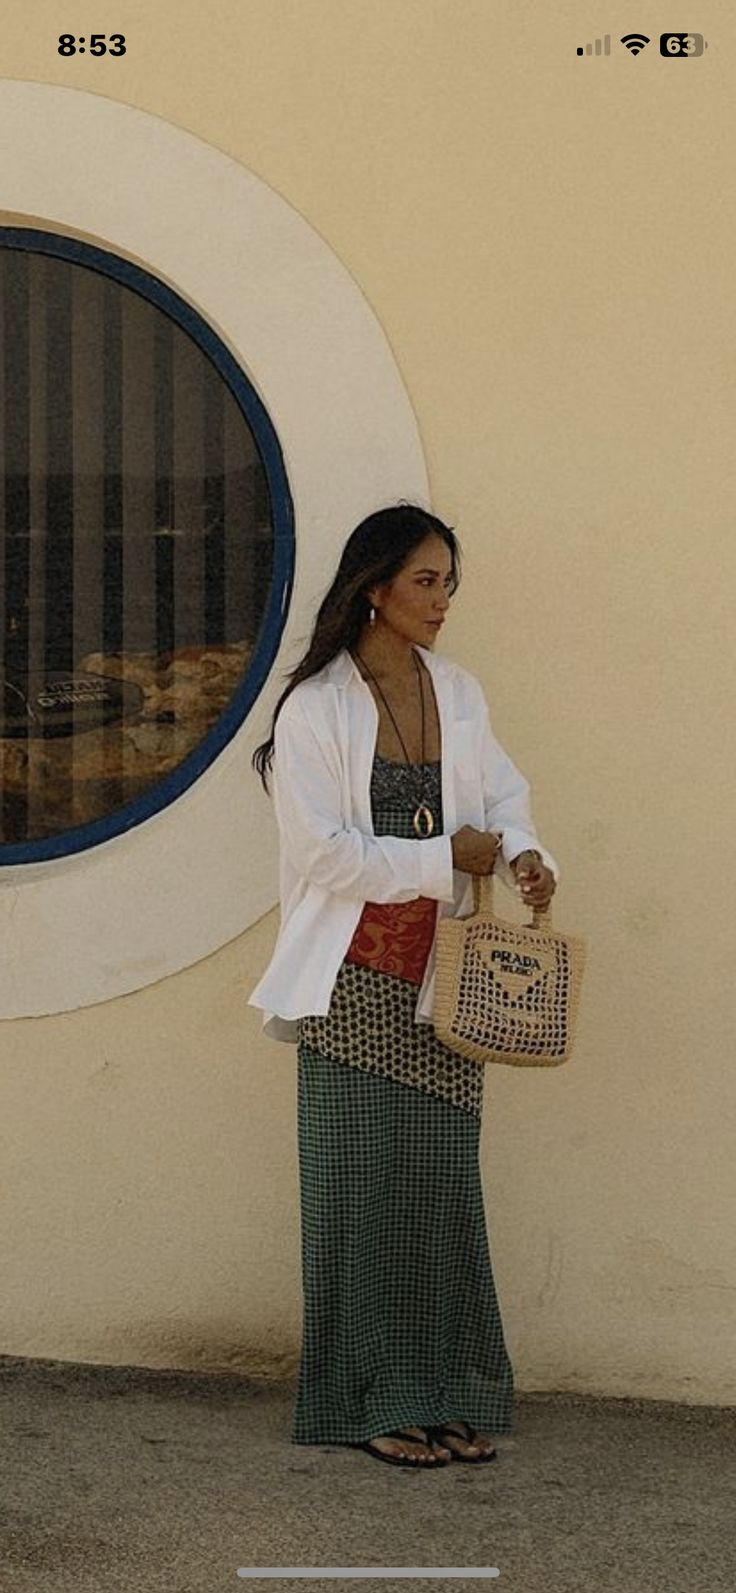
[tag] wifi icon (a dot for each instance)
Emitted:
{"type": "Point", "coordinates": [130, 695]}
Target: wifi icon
{"type": "Point", "coordinates": [635, 42]}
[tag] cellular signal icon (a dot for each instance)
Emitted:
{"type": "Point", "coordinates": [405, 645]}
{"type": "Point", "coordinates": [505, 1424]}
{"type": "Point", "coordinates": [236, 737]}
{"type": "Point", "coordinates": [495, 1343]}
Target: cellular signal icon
{"type": "Point", "coordinates": [635, 42]}
{"type": "Point", "coordinates": [589, 50]}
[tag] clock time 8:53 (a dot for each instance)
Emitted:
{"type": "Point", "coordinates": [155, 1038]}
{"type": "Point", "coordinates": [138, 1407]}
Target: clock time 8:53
{"type": "Point", "coordinates": [69, 44]}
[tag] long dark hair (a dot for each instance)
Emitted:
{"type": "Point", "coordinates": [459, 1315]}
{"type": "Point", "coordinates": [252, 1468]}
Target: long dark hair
{"type": "Point", "coordinates": [374, 553]}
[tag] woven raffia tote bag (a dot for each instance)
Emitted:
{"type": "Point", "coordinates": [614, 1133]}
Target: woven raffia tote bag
{"type": "Point", "coordinates": [506, 992]}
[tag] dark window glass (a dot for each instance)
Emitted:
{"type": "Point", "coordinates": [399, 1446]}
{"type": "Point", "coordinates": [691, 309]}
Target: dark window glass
{"type": "Point", "coordinates": [146, 545]}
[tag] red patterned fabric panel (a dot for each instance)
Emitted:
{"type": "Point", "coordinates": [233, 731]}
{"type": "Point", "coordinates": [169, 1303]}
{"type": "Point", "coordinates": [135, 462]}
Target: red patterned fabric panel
{"type": "Point", "coordinates": [395, 937]}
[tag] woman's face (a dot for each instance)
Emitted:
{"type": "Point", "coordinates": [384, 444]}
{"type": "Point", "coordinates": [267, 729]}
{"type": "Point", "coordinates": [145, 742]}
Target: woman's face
{"type": "Point", "coordinates": [419, 595]}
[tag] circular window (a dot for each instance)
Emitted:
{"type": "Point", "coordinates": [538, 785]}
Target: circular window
{"type": "Point", "coordinates": [160, 363]}
{"type": "Point", "coordinates": [146, 550]}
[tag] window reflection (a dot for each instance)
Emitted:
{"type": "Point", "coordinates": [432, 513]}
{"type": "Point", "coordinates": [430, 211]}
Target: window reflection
{"type": "Point", "coordinates": [136, 554]}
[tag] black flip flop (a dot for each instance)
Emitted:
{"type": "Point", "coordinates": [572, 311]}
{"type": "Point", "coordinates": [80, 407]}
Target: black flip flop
{"type": "Point", "coordinates": [403, 1460]}
{"type": "Point", "coordinates": [442, 1433]}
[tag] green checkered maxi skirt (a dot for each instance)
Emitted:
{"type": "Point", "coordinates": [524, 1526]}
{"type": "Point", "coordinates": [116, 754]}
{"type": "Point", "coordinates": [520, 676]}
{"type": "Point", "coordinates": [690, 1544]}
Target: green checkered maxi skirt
{"type": "Point", "coordinates": [401, 1320]}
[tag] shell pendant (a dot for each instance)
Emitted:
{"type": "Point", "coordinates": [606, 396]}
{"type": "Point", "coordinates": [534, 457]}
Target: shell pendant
{"type": "Point", "coordinates": [423, 812]}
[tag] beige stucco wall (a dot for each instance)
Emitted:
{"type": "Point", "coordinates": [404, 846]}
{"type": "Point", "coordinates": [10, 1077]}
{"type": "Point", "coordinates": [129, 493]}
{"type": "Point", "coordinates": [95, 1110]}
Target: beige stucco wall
{"type": "Point", "coordinates": [546, 245]}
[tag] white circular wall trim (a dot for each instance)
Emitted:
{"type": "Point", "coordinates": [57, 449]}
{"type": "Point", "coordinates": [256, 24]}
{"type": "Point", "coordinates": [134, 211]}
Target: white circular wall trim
{"type": "Point", "coordinates": [83, 928]}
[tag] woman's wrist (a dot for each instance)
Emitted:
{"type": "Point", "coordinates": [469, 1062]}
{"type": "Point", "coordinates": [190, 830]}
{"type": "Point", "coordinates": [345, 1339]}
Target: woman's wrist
{"type": "Point", "coordinates": [531, 852]}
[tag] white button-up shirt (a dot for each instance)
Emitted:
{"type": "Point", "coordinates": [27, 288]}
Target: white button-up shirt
{"type": "Point", "coordinates": [331, 862]}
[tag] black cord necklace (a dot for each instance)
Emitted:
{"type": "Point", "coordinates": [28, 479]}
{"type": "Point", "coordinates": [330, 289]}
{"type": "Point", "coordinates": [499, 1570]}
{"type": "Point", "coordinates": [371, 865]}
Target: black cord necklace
{"type": "Point", "coordinates": [422, 811]}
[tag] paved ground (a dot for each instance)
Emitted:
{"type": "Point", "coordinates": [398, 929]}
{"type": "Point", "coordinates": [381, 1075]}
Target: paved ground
{"type": "Point", "coordinates": [118, 1478]}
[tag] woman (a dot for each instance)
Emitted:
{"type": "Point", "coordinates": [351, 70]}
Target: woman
{"type": "Point", "coordinates": [380, 749]}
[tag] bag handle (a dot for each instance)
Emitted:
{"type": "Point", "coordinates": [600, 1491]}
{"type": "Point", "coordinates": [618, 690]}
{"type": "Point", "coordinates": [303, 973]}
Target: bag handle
{"type": "Point", "coordinates": [483, 902]}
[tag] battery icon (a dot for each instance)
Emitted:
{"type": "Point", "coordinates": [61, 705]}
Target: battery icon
{"type": "Point", "coordinates": [681, 44]}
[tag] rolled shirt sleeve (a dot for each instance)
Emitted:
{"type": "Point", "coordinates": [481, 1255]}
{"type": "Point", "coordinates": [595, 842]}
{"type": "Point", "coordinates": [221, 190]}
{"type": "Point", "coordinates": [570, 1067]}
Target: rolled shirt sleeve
{"type": "Point", "coordinates": [506, 804]}
{"type": "Point", "coordinates": [308, 810]}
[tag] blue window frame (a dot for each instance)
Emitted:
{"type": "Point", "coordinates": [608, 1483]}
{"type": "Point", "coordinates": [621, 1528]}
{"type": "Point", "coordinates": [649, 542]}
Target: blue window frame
{"type": "Point", "coordinates": [146, 545]}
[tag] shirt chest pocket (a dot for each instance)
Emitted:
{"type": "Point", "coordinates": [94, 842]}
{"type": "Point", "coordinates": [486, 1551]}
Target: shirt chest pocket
{"type": "Point", "coordinates": [465, 739]}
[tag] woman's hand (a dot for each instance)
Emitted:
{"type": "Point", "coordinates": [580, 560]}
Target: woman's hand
{"type": "Point", "coordinates": [537, 882]}
{"type": "Point", "coordinates": [474, 851]}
